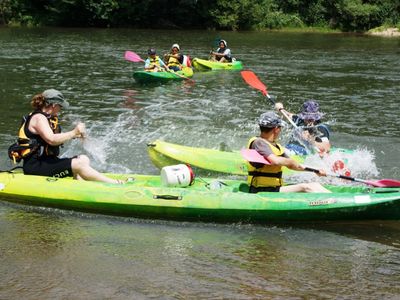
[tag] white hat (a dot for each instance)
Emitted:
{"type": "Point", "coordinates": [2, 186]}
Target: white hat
{"type": "Point", "coordinates": [176, 46]}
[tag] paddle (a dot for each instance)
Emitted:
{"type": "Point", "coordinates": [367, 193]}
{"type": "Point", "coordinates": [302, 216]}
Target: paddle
{"type": "Point", "coordinates": [134, 57]}
{"type": "Point", "coordinates": [253, 156]}
{"type": "Point", "coordinates": [251, 79]}
{"type": "Point", "coordinates": [374, 183]}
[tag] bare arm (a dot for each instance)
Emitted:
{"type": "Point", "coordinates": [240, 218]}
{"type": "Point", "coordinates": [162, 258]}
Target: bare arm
{"type": "Point", "coordinates": [40, 125]}
{"type": "Point", "coordinates": [290, 163]}
{"type": "Point", "coordinates": [285, 162]}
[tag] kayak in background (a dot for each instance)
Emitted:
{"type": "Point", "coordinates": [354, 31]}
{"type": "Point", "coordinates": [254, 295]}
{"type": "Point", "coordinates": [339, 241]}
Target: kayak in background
{"type": "Point", "coordinates": [210, 200]}
{"type": "Point", "coordinates": [208, 65]}
{"type": "Point", "coordinates": [151, 77]}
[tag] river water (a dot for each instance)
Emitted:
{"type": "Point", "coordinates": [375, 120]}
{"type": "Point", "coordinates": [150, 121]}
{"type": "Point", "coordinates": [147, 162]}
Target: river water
{"type": "Point", "coordinates": [47, 253]}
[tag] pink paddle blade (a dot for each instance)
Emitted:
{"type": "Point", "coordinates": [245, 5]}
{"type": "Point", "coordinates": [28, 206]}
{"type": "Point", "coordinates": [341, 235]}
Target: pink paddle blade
{"type": "Point", "coordinates": [252, 80]}
{"type": "Point", "coordinates": [384, 183]}
{"type": "Point", "coordinates": [132, 56]}
{"type": "Point", "coordinates": [253, 156]}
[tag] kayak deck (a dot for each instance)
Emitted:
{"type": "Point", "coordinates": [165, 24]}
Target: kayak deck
{"type": "Point", "coordinates": [206, 200]}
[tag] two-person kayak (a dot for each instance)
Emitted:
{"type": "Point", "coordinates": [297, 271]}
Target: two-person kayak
{"type": "Point", "coordinates": [208, 65]}
{"type": "Point", "coordinates": [205, 200]}
{"type": "Point", "coordinates": [153, 77]}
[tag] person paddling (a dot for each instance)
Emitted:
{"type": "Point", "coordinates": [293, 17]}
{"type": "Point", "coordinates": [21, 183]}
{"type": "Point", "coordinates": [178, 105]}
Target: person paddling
{"type": "Point", "coordinates": [268, 177]}
{"type": "Point", "coordinates": [154, 63]}
{"type": "Point", "coordinates": [40, 139]}
{"type": "Point", "coordinates": [223, 53]}
{"type": "Point", "coordinates": [314, 132]}
{"type": "Point", "coordinates": [174, 59]}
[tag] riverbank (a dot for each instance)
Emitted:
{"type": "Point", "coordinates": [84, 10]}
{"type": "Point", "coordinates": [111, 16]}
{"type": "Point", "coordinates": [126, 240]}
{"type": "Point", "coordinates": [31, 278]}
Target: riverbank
{"type": "Point", "coordinates": [386, 32]}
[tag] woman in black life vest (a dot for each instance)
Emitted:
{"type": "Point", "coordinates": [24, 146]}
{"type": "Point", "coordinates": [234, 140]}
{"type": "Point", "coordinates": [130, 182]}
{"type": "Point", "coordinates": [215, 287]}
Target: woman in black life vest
{"type": "Point", "coordinates": [42, 126]}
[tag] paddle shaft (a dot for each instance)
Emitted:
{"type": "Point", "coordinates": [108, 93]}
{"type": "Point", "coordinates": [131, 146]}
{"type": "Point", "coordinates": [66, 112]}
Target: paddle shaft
{"type": "Point", "coordinates": [252, 80]}
{"type": "Point", "coordinates": [343, 177]}
{"type": "Point", "coordinates": [179, 75]}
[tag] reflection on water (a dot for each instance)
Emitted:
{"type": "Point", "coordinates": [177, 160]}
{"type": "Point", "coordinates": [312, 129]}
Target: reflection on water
{"type": "Point", "coordinates": [58, 254]}
{"type": "Point", "coordinates": [81, 255]}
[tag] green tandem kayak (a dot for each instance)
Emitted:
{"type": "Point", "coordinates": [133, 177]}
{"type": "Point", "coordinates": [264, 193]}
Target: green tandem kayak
{"type": "Point", "coordinates": [208, 65]}
{"type": "Point", "coordinates": [205, 200]}
{"type": "Point", "coordinates": [152, 77]}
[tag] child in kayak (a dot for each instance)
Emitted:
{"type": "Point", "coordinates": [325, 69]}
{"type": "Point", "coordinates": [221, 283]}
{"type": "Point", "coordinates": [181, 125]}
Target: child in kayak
{"type": "Point", "coordinates": [223, 53]}
{"type": "Point", "coordinates": [314, 133]}
{"type": "Point", "coordinates": [40, 138]}
{"type": "Point", "coordinates": [154, 63]}
{"type": "Point", "coordinates": [268, 177]}
{"type": "Point", "coordinates": [174, 59]}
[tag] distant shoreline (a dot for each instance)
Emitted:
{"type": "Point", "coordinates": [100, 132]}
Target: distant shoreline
{"type": "Point", "coordinates": [387, 32]}
{"type": "Point", "coordinates": [379, 31]}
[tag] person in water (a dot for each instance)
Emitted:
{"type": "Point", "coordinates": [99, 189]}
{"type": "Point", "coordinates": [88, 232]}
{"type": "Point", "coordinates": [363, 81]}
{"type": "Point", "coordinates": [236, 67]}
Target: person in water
{"type": "Point", "coordinates": [223, 53]}
{"type": "Point", "coordinates": [268, 177]}
{"type": "Point", "coordinates": [41, 134]}
{"type": "Point", "coordinates": [174, 59]}
{"type": "Point", "coordinates": [314, 134]}
{"type": "Point", "coordinates": [154, 63]}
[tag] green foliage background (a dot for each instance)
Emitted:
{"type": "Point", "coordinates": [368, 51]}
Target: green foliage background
{"type": "Point", "coordinates": [344, 15]}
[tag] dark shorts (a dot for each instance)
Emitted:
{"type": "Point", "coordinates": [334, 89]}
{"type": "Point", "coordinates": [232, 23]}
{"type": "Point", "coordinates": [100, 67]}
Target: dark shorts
{"type": "Point", "coordinates": [48, 166]}
{"type": "Point", "coordinates": [228, 58]}
{"type": "Point", "coordinates": [254, 189]}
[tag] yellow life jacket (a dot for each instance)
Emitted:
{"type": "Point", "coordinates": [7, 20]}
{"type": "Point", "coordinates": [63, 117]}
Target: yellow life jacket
{"type": "Point", "coordinates": [33, 144]}
{"type": "Point", "coordinates": [172, 62]}
{"type": "Point", "coordinates": [155, 61]}
{"type": "Point", "coordinates": [267, 175]}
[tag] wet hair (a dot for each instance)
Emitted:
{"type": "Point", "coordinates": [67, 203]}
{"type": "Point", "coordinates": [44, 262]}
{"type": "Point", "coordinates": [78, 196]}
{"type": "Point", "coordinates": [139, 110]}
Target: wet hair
{"type": "Point", "coordinates": [38, 102]}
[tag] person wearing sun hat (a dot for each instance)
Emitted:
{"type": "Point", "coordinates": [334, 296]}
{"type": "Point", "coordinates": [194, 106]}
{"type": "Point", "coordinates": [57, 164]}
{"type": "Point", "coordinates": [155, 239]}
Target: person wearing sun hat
{"type": "Point", "coordinates": [268, 177]}
{"type": "Point", "coordinates": [314, 131]}
{"type": "Point", "coordinates": [40, 139]}
{"type": "Point", "coordinates": [223, 53]}
{"type": "Point", "coordinates": [174, 59]}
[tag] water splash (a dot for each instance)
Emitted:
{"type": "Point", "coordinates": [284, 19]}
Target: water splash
{"type": "Point", "coordinates": [359, 162]}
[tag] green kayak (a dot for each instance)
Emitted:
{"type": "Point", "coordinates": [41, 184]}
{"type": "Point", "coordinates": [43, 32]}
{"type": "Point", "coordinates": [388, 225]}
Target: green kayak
{"type": "Point", "coordinates": [208, 65]}
{"type": "Point", "coordinates": [163, 154]}
{"type": "Point", "coordinates": [152, 77]}
{"type": "Point", "coordinates": [205, 200]}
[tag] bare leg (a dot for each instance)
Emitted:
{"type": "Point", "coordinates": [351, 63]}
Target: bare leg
{"type": "Point", "coordinates": [312, 187]}
{"type": "Point", "coordinates": [82, 169]}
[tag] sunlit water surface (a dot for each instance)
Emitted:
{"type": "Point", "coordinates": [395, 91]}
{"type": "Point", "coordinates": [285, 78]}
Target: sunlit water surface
{"type": "Point", "coordinates": [58, 254]}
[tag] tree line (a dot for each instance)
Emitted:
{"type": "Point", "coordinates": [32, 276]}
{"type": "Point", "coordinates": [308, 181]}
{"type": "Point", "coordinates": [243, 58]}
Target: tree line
{"type": "Point", "coordinates": [343, 15]}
